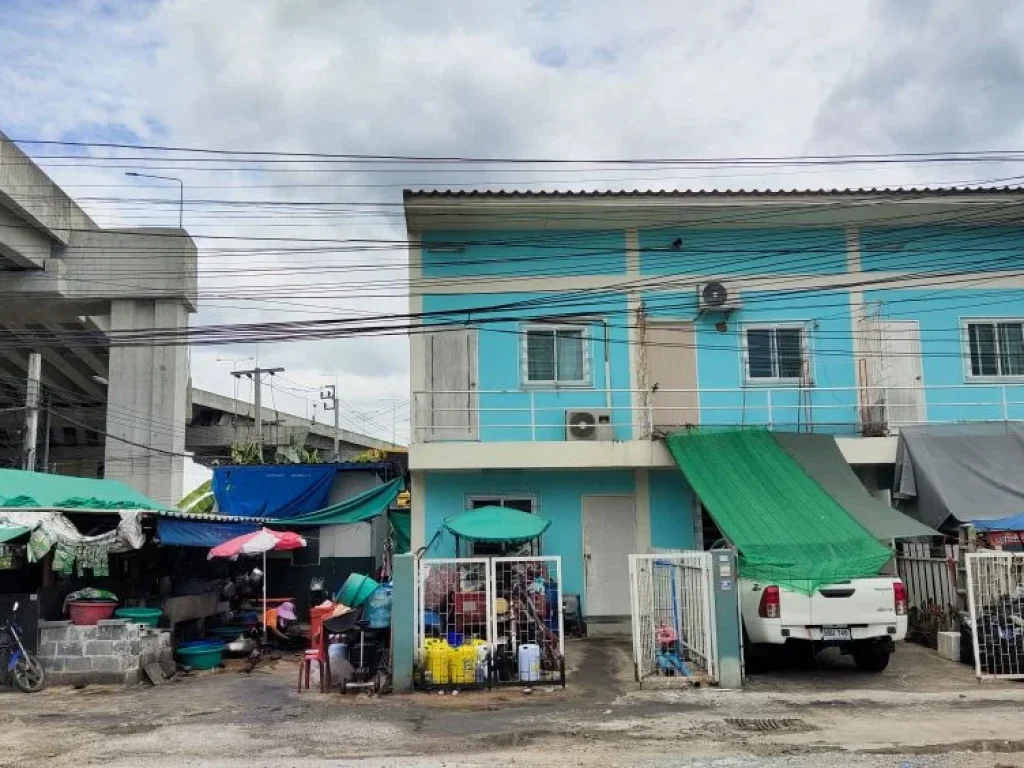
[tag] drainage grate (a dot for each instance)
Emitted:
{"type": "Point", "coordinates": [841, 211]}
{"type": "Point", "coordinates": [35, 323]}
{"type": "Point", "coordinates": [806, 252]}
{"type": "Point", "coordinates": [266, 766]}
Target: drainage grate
{"type": "Point", "coordinates": [768, 726]}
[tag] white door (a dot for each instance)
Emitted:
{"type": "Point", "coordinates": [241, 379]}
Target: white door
{"type": "Point", "coordinates": [609, 537]}
{"type": "Point", "coordinates": [451, 381]}
{"type": "Point", "coordinates": [672, 365]}
{"type": "Point", "coordinates": [900, 372]}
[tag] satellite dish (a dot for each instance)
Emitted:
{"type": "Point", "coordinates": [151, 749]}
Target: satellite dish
{"type": "Point", "coordinates": [714, 295]}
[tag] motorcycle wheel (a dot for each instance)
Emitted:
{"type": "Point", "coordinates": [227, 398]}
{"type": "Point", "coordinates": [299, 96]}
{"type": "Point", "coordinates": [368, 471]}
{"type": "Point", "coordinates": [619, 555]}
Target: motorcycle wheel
{"type": "Point", "coordinates": [29, 674]}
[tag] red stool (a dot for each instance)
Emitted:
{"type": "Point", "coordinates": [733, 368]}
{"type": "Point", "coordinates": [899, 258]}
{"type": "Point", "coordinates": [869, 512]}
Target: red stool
{"type": "Point", "coordinates": [318, 654]}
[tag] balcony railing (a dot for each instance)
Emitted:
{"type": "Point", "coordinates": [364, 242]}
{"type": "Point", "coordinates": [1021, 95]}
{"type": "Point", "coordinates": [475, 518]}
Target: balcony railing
{"type": "Point", "coordinates": [626, 414]}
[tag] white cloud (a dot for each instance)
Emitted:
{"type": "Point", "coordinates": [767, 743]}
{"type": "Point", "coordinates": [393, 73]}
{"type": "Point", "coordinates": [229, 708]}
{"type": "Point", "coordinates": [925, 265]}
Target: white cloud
{"type": "Point", "coordinates": [637, 78]}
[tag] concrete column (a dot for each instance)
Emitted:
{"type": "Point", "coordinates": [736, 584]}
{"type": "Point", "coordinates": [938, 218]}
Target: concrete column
{"type": "Point", "coordinates": [146, 402]}
{"type": "Point", "coordinates": [403, 622]}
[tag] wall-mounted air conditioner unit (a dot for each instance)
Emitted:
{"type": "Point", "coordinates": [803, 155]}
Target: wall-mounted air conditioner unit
{"type": "Point", "coordinates": [717, 297]}
{"type": "Point", "coordinates": [589, 424]}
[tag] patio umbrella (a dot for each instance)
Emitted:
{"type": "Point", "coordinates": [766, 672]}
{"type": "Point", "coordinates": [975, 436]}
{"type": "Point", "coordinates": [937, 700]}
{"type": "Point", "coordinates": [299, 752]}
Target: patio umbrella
{"type": "Point", "coordinates": [256, 543]}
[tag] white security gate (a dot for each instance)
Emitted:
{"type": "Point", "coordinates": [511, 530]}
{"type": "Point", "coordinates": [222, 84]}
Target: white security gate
{"type": "Point", "coordinates": [453, 598]}
{"type": "Point", "coordinates": [528, 610]}
{"type": "Point", "coordinates": [505, 603]}
{"type": "Point", "coordinates": [673, 617]}
{"type": "Point", "coordinates": [995, 591]}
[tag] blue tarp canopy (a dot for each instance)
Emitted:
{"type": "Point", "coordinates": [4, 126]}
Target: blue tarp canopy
{"type": "Point", "coordinates": [195, 533]}
{"type": "Point", "coordinates": [280, 491]}
{"type": "Point", "coordinates": [1011, 523]}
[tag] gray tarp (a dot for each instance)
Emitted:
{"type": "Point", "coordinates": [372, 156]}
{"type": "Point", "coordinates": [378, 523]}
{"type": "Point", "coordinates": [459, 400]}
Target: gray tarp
{"type": "Point", "coordinates": [948, 474]}
{"type": "Point", "coordinates": [821, 458]}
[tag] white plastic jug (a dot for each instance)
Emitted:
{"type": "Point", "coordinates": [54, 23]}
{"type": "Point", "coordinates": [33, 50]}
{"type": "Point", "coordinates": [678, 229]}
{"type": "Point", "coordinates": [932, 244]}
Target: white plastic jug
{"type": "Point", "coordinates": [529, 663]}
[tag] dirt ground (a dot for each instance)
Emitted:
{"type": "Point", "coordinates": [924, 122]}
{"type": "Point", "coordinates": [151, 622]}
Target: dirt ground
{"type": "Point", "coordinates": [923, 711]}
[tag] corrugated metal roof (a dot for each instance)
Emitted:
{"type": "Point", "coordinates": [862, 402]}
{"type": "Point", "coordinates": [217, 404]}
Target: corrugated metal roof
{"type": "Point", "coordinates": [177, 514]}
{"type": "Point", "coordinates": [836, 192]}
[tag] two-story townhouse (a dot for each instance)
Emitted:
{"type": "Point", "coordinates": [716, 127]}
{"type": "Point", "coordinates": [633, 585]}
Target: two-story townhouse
{"type": "Point", "coordinates": [562, 335]}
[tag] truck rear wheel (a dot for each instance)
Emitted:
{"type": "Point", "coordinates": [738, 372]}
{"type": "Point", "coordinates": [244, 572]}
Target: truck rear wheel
{"type": "Point", "coordinates": [873, 658]}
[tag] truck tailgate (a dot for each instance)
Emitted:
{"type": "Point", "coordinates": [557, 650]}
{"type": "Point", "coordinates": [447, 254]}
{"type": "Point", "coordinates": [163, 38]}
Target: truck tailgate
{"type": "Point", "coordinates": [857, 602]}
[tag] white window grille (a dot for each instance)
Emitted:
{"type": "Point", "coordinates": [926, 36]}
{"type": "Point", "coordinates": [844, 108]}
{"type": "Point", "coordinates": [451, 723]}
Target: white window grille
{"type": "Point", "coordinates": [995, 349]}
{"type": "Point", "coordinates": [556, 355]}
{"type": "Point", "coordinates": [775, 353]}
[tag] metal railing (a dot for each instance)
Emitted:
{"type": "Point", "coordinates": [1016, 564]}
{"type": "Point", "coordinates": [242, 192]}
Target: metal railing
{"type": "Point", "coordinates": [930, 576]}
{"type": "Point", "coordinates": [995, 592]}
{"type": "Point", "coordinates": [534, 414]}
{"type": "Point", "coordinates": [673, 622]}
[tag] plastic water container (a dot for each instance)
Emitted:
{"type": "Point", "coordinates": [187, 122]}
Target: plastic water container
{"type": "Point", "coordinates": [462, 664]}
{"type": "Point", "coordinates": [356, 589]}
{"type": "Point", "coordinates": [377, 610]}
{"type": "Point", "coordinates": [529, 663]}
{"type": "Point", "coordinates": [436, 660]}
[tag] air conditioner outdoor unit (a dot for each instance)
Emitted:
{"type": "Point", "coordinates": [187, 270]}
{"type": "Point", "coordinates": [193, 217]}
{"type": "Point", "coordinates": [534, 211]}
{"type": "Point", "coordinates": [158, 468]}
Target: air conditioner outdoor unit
{"type": "Point", "coordinates": [716, 297]}
{"type": "Point", "coordinates": [590, 424]}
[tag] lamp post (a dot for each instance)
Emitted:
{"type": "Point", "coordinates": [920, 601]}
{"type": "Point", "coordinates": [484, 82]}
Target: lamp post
{"type": "Point", "coordinates": [181, 191]}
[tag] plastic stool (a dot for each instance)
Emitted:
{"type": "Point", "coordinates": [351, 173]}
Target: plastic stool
{"type": "Point", "coordinates": [324, 664]}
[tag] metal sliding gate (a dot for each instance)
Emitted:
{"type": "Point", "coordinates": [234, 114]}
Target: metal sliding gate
{"type": "Point", "coordinates": [509, 606]}
{"type": "Point", "coordinates": [995, 592]}
{"type": "Point", "coordinates": [673, 617]}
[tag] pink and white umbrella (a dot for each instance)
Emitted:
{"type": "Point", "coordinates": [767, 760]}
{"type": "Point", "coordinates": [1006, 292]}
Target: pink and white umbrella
{"type": "Point", "coordinates": [259, 543]}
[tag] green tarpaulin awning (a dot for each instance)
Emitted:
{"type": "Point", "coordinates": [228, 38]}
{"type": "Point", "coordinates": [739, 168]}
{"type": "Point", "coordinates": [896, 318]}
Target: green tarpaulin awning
{"type": "Point", "coordinates": [786, 528]}
{"type": "Point", "coordinates": [401, 529]}
{"type": "Point", "coordinates": [498, 524]}
{"type": "Point", "coordinates": [823, 461]}
{"type": "Point", "coordinates": [8, 532]}
{"type": "Point", "coordinates": [364, 506]}
{"type": "Point", "coordinates": [36, 490]}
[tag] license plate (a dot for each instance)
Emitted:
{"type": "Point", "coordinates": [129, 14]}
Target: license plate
{"type": "Point", "coordinates": [836, 633]}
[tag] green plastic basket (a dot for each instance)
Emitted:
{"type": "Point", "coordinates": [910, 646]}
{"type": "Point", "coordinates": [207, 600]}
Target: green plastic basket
{"type": "Point", "coordinates": [147, 616]}
{"type": "Point", "coordinates": [356, 589]}
{"type": "Point", "coordinates": [205, 656]}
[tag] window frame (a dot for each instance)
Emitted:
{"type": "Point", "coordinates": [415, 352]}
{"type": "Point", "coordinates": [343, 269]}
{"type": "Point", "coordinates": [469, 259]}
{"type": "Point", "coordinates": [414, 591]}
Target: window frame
{"type": "Point", "coordinates": [777, 381]}
{"type": "Point", "coordinates": [965, 333]}
{"type": "Point", "coordinates": [524, 354]}
{"type": "Point", "coordinates": [502, 498]}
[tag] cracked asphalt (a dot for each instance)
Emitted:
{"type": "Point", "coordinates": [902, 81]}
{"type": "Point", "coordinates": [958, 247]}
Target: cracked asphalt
{"type": "Point", "coordinates": [923, 711]}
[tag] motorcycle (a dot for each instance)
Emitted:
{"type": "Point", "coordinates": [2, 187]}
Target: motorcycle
{"type": "Point", "coordinates": [25, 670]}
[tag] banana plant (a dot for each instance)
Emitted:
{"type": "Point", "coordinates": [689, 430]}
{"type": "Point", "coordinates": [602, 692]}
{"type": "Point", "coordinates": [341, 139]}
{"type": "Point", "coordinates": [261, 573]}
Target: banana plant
{"type": "Point", "coordinates": [200, 500]}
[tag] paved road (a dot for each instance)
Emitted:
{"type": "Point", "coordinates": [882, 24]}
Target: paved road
{"type": "Point", "coordinates": [923, 712]}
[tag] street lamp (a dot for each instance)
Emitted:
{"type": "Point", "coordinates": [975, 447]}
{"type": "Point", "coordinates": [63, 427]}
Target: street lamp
{"type": "Point", "coordinates": [181, 190]}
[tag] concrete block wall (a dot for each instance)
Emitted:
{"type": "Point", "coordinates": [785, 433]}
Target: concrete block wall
{"type": "Point", "coordinates": [112, 652]}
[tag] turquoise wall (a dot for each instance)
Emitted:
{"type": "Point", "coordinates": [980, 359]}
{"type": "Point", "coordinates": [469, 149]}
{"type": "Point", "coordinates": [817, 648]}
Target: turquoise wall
{"type": "Point", "coordinates": [941, 249]}
{"type": "Point", "coordinates": [672, 504]}
{"type": "Point", "coordinates": [743, 251]}
{"type": "Point", "coordinates": [720, 363]}
{"type": "Point", "coordinates": [505, 416]}
{"type": "Point", "coordinates": [940, 314]}
{"type": "Point", "coordinates": [558, 497]}
{"type": "Point", "coordinates": [523, 253]}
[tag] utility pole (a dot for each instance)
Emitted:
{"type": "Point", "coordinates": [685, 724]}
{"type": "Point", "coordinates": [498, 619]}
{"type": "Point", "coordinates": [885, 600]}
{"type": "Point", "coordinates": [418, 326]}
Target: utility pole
{"type": "Point", "coordinates": [256, 374]}
{"type": "Point", "coordinates": [329, 394]}
{"type": "Point", "coordinates": [32, 410]}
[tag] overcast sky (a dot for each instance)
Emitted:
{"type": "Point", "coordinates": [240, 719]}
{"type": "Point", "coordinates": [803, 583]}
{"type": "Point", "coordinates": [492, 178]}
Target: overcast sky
{"type": "Point", "coordinates": [635, 78]}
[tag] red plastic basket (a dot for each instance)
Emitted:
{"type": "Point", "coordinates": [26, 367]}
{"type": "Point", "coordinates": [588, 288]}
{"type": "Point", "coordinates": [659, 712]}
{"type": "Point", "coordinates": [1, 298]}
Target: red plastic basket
{"type": "Point", "coordinates": [88, 612]}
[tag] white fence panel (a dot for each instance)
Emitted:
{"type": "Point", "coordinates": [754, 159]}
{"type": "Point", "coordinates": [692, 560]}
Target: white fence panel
{"type": "Point", "coordinates": [528, 611]}
{"type": "Point", "coordinates": [930, 579]}
{"type": "Point", "coordinates": [995, 590]}
{"type": "Point", "coordinates": [673, 617]}
{"type": "Point", "coordinates": [453, 602]}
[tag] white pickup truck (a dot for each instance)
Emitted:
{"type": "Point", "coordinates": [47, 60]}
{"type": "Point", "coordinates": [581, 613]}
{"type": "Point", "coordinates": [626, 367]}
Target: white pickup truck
{"type": "Point", "coordinates": [863, 617]}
